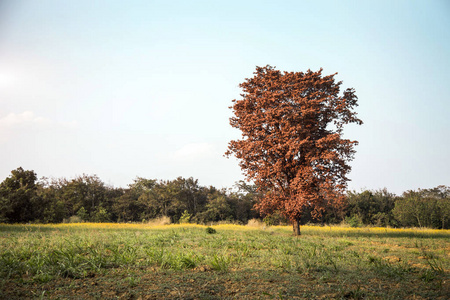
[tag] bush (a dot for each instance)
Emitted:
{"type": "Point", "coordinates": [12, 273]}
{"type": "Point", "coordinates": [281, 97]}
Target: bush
{"type": "Point", "coordinates": [210, 230]}
{"type": "Point", "coordinates": [101, 215]}
{"type": "Point", "coordinates": [275, 219]}
{"type": "Point", "coordinates": [354, 221]}
{"type": "Point", "coordinates": [83, 214]}
{"type": "Point", "coordinates": [185, 217]}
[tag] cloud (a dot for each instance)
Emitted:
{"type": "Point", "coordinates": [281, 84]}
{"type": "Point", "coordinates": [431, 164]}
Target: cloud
{"type": "Point", "coordinates": [13, 125]}
{"type": "Point", "coordinates": [193, 151]}
{"type": "Point", "coordinates": [28, 118]}
{"type": "Point", "coordinates": [25, 118]}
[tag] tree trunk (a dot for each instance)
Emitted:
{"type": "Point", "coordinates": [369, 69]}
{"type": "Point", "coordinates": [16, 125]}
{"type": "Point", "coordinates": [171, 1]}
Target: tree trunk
{"type": "Point", "coordinates": [296, 226]}
{"type": "Point", "coordinates": [418, 221]}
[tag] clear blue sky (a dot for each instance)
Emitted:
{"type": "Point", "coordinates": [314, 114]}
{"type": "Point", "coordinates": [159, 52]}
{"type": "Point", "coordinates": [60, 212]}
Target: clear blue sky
{"type": "Point", "coordinates": [142, 88]}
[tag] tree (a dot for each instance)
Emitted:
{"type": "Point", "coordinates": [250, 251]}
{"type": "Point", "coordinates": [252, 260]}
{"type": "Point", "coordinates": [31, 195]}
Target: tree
{"type": "Point", "coordinates": [217, 209]}
{"type": "Point", "coordinates": [424, 208]}
{"type": "Point", "coordinates": [190, 194]}
{"type": "Point", "coordinates": [372, 207]}
{"type": "Point", "coordinates": [87, 191]}
{"type": "Point", "coordinates": [18, 197]}
{"type": "Point", "coordinates": [292, 144]}
{"type": "Point", "coordinates": [126, 207]}
{"type": "Point", "coordinates": [243, 201]}
{"type": "Point", "coordinates": [52, 203]}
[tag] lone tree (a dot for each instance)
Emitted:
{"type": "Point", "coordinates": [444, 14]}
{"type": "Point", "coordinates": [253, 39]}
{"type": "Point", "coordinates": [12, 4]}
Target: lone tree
{"type": "Point", "coordinates": [292, 146]}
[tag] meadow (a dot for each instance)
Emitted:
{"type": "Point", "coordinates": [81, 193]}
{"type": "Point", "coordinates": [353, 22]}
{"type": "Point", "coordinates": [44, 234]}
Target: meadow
{"type": "Point", "coordinates": [187, 261]}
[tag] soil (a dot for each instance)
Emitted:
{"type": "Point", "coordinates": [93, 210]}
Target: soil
{"type": "Point", "coordinates": [203, 283]}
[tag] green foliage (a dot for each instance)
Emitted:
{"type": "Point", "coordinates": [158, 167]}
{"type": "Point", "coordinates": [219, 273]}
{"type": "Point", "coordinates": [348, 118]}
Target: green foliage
{"type": "Point", "coordinates": [389, 269]}
{"type": "Point", "coordinates": [53, 205]}
{"type": "Point", "coordinates": [24, 199]}
{"type": "Point", "coordinates": [371, 208]}
{"type": "Point", "coordinates": [100, 215]}
{"type": "Point", "coordinates": [220, 262]}
{"type": "Point", "coordinates": [218, 208]}
{"type": "Point", "coordinates": [185, 217]}
{"type": "Point", "coordinates": [18, 198]}
{"type": "Point", "coordinates": [424, 208]}
{"type": "Point", "coordinates": [275, 219]}
{"type": "Point", "coordinates": [354, 221]}
{"type": "Point", "coordinates": [82, 214]}
{"type": "Point", "coordinates": [210, 230]}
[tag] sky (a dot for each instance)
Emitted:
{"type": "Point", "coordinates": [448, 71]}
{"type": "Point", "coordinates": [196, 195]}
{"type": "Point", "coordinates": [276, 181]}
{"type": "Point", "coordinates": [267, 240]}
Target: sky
{"type": "Point", "coordinates": [123, 89]}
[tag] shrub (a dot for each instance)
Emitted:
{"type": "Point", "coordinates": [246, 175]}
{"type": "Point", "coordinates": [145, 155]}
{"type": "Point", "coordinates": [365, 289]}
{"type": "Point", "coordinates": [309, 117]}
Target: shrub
{"type": "Point", "coordinates": [210, 230]}
{"type": "Point", "coordinates": [185, 217]}
{"type": "Point", "coordinates": [354, 221]}
{"type": "Point", "coordinates": [101, 215]}
{"type": "Point", "coordinates": [275, 219]}
{"type": "Point", "coordinates": [83, 214]}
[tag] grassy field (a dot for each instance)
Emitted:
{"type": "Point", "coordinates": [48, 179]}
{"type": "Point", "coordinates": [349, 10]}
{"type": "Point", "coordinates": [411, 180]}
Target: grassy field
{"type": "Point", "coordinates": [138, 261]}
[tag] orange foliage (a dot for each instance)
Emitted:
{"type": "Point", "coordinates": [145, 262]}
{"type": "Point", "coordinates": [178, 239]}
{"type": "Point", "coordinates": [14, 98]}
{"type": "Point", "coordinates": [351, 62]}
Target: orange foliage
{"type": "Point", "coordinates": [292, 146]}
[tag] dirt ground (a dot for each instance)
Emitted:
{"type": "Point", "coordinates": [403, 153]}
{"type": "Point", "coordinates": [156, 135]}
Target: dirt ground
{"type": "Point", "coordinates": [202, 283]}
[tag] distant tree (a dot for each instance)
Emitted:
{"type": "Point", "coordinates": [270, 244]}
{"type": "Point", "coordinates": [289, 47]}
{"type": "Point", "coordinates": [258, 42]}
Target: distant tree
{"type": "Point", "coordinates": [100, 215]}
{"type": "Point", "coordinates": [126, 207]}
{"type": "Point", "coordinates": [82, 214]}
{"type": "Point", "coordinates": [157, 200]}
{"type": "Point", "coordinates": [52, 207]}
{"type": "Point", "coordinates": [190, 194]}
{"type": "Point", "coordinates": [87, 191]}
{"type": "Point", "coordinates": [243, 201]}
{"type": "Point", "coordinates": [424, 208]}
{"type": "Point", "coordinates": [172, 197]}
{"type": "Point", "coordinates": [372, 207]}
{"type": "Point", "coordinates": [18, 197]}
{"type": "Point", "coordinates": [443, 206]}
{"type": "Point", "coordinates": [218, 207]}
{"type": "Point", "coordinates": [411, 209]}
{"type": "Point", "coordinates": [292, 146]}
{"type": "Point", "coordinates": [140, 200]}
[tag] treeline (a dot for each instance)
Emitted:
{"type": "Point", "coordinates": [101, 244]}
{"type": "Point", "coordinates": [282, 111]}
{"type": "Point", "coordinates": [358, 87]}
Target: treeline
{"type": "Point", "coordinates": [24, 198]}
{"type": "Point", "coordinates": [423, 208]}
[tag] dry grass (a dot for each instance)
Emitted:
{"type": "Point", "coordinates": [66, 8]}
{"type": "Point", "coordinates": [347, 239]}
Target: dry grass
{"type": "Point", "coordinates": [256, 223]}
{"type": "Point", "coordinates": [159, 221]}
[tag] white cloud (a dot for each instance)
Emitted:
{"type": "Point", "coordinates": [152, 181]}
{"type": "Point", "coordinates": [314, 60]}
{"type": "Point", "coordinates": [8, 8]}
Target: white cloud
{"type": "Point", "coordinates": [25, 118]}
{"type": "Point", "coordinates": [17, 124]}
{"type": "Point", "coordinates": [28, 118]}
{"type": "Point", "coordinates": [194, 151]}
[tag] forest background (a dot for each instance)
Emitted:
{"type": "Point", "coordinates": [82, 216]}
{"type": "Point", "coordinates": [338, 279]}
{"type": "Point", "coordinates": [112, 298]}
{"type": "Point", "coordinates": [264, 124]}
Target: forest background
{"type": "Point", "coordinates": [86, 198]}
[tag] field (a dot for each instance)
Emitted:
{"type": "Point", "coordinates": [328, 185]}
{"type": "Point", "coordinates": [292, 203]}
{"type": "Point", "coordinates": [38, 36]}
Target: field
{"type": "Point", "coordinates": [138, 261]}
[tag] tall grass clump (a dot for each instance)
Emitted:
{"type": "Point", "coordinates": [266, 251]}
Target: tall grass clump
{"type": "Point", "coordinates": [220, 262]}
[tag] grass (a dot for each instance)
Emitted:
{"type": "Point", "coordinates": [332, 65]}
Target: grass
{"type": "Point", "coordinates": [98, 261]}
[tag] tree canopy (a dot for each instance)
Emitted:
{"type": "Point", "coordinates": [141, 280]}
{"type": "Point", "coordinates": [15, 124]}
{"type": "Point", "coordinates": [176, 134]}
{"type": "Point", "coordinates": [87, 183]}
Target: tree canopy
{"type": "Point", "coordinates": [292, 144]}
{"type": "Point", "coordinates": [17, 196]}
